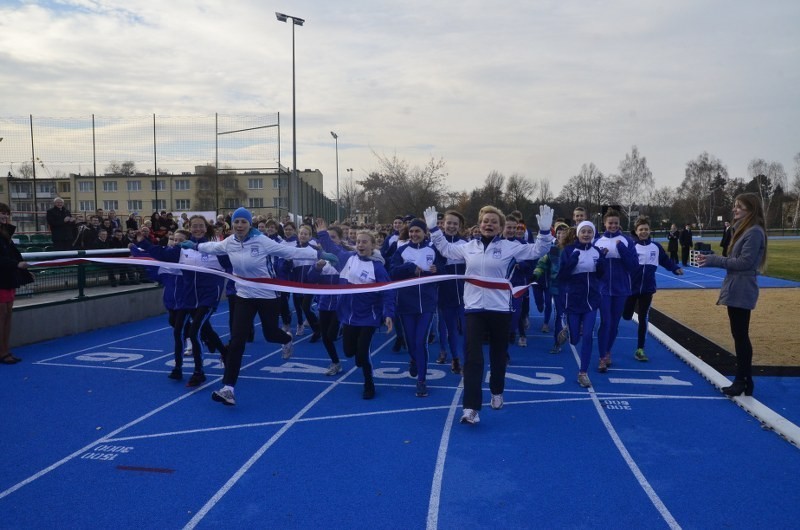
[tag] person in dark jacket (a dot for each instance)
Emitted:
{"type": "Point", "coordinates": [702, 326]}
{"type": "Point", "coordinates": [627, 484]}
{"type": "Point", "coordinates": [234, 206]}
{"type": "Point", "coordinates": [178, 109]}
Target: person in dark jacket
{"type": "Point", "coordinates": [62, 225]}
{"type": "Point", "coordinates": [11, 263]}
{"type": "Point", "coordinates": [672, 242]}
{"type": "Point", "coordinates": [686, 244]}
{"type": "Point", "coordinates": [726, 238]}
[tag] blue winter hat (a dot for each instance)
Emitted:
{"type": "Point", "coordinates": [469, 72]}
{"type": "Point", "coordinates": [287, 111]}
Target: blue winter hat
{"type": "Point", "coordinates": [242, 213]}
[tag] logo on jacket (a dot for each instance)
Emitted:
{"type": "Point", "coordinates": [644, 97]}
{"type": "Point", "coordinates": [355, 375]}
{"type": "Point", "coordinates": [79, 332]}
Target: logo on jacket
{"type": "Point", "coordinates": [429, 259]}
{"type": "Point", "coordinates": [204, 257]}
{"type": "Point", "coordinates": [254, 251]}
{"type": "Point", "coordinates": [497, 253]}
{"type": "Point", "coordinates": [364, 276]}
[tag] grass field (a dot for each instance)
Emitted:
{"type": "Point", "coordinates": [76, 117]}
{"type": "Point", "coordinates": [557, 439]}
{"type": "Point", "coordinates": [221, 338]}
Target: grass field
{"type": "Point", "coordinates": [783, 258]}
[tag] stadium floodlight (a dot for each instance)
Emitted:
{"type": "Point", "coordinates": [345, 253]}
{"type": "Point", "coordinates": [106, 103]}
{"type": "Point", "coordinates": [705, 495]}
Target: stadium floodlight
{"type": "Point", "coordinates": [282, 17]}
{"type": "Point", "coordinates": [336, 139]}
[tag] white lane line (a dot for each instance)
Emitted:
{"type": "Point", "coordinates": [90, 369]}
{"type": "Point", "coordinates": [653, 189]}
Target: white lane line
{"type": "Point", "coordinates": [441, 456]}
{"type": "Point", "coordinates": [626, 456]}
{"type": "Point", "coordinates": [43, 361]}
{"type": "Point", "coordinates": [132, 349]}
{"type": "Point", "coordinates": [209, 505]}
{"type": "Point", "coordinates": [104, 439]}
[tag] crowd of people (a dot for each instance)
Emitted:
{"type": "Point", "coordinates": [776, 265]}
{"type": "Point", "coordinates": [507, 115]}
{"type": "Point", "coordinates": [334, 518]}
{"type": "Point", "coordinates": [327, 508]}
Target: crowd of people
{"type": "Point", "coordinates": [574, 269]}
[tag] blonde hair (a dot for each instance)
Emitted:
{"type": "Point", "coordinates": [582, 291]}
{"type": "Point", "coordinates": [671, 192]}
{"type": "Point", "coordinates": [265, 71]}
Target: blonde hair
{"type": "Point", "coordinates": [496, 211]}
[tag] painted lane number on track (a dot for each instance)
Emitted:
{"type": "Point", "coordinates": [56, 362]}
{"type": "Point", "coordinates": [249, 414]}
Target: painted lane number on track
{"type": "Point", "coordinates": [106, 452]}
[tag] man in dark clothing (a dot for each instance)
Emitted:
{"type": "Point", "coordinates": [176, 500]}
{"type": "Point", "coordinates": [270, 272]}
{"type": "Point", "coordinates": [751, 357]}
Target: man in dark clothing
{"type": "Point", "coordinates": [726, 238]}
{"type": "Point", "coordinates": [686, 244]}
{"type": "Point", "coordinates": [62, 225]}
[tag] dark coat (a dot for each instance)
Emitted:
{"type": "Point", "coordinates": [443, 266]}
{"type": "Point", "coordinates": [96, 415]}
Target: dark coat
{"type": "Point", "coordinates": [60, 230]}
{"type": "Point", "coordinates": [9, 259]}
{"type": "Point", "coordinates": [686, 237]}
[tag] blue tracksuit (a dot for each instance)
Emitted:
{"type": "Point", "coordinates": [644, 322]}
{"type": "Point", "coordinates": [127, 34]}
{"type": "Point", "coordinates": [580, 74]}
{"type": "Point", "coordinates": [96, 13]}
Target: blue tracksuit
{"type": "Point", "coordinates": [580, 269]}
{"type": "Point", "coordinates": [621, 261]}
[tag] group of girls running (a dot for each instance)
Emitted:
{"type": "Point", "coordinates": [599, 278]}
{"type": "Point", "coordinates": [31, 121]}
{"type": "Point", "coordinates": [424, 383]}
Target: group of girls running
{"type": "Point", "coordinates": [612, 274]}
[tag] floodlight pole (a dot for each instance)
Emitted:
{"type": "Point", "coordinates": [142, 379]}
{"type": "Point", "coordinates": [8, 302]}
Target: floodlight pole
{"type": "Point", "coordinates": [295, 22]}
{"type": "Point", "coordinates": [336, 139]}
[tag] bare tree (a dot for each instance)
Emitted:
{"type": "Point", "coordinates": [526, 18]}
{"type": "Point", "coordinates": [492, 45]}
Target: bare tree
{"type": "Point", "coordinates": [661, 202]}
{"type": "Point", "coordinates": [545, 191]}
{"type": "Point", "coordinates": [126, 168]}
{"type": "Point", "coordinates": [698, 185]}
{"type": "Point", "coordinates": [397, 188]}
{"type": "Point", "coordinates": [25, 170]}
{"type": "Point", "coordinates": [351, 197]}
{"type": "Point", "coordinates": [518, 192]}
{"type": "Point", "coordinates": [768, 180]}
{"type": "Point", "coordinates": [634, 183]}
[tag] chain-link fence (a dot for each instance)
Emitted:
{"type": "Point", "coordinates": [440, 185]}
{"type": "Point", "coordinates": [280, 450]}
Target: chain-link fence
{"type": "Point", "coordinates": [44, 155]}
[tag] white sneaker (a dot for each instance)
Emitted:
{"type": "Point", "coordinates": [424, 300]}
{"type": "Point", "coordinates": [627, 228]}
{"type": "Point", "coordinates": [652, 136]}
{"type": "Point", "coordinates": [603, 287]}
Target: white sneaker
{"type": "Point", "coordinates": [288, 350]}
{"type": "Point", "coordinates": [522, 342]}
{"type": "Point", "coordinates": [334, 369]}
{"type": "Point", "coordinates": [187, 349]}
{"type": "Point", "coordinates": [583, 380]}
{"type": "Point", "coordinates": [287, 329]}
{"type": "Point", "coordinates": [224, 396]}
{"type": "Point", "coordinates": [470, 416]}
{"type": "Point", "coordinates": [497, 401]}
{"type": "Point", "coordinates": [300, 330]}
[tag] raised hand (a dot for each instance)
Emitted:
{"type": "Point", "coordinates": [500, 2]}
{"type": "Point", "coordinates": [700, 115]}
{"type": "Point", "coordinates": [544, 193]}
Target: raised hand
{"type": "Point", "coordinates": [545, 218]}
{"type": "Point", "coordinates": [431, 217]}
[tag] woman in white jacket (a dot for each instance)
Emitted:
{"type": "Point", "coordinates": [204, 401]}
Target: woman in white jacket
{"type": "Point", "coordinates": [488, 310]}
{"type": "Point", "coordinates": [250, 251]}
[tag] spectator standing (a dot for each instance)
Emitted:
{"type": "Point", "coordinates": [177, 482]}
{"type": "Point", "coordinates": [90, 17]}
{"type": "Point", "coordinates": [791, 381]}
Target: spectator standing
{"type": "Point", "coordinates": [739, 290]}
{"type": "Point", "coordinates": [62, 225]}
{"type": "Point", "coordinates": [686, 244]}
{"type": "Point", "coordinates": [672, 242]}
{"type": "Point", "coordinates": [726, 238]}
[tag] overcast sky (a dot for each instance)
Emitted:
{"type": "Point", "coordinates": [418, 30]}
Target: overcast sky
{"type": "Point", "coordinates": [530, 87]}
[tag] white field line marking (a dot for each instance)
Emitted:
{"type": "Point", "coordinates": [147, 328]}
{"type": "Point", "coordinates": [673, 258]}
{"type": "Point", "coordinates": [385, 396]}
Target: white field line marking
{"type": "Point", "coordinates": [209, 505]}
{"type": "Point", "coordinates": [110, 435]}
{"type": "Point", "coordinates": [160, 357]}
{"type": "Point", "coordinates": [103, 439]}
{"type": "Point", "coordinates": [257, 425]}
{"type": "Point", "coordinates": [768, 417]}
{"type": "Point", "coordinates": [640, 478]}
{"type": "Point", "coordinates": [102, 345]}
{"type": "Point", "coordinates": [441, 456]}
{"type": "Point", "coordinates": [132, 349]}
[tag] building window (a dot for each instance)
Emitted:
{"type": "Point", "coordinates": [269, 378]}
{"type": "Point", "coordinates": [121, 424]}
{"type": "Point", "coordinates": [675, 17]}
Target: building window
{"type": "Point", "coordinates": [44, 206]}
{"type": "Point", "coordinates": [47, 188]}
{"type": "Point", "coordinates": [63, 187]}
{"type": "Point", "coordinates": [158, 185]}
{"type": "Point", "coordinates": [160, 204]}
{"type": "Point", "coordinates": [255, 184]}
{"type": "Point", "coordinates": [135, 185]}
{"type": "Point", "coordinates": [110, 185]}
{"type": "Point", "coordinates": [182, 185]}
{"type": "Point", "coordinates": [86, 206]}
{"type": "Point", "coordinates": [203, 185]}
{"type": "Point", "coordinates": [182, 204]}
{"type": "Point", "coordinates": [86, 185]}
{"type": "Point", "coordinates": [110, 205]}
{"type": "Point", "coordinates": [134, 206]}
{"type": "Point", "coordinates": [206, 205]}
{"type": "Point", "coordinates": [278, 202]}
{"type": "Point", "coordinates": [278, 183]}
{"type": "Point", "coordinates": [256, 202]}
{"type": "Point", "coordinates": [230, 183]}
{"type": "Point", "coordinates": [232, 204]}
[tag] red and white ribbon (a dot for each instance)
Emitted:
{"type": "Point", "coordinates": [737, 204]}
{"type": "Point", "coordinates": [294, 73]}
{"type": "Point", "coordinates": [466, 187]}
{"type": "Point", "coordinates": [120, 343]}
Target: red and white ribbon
{"type": "Point", "coordinates": [294, 287]}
